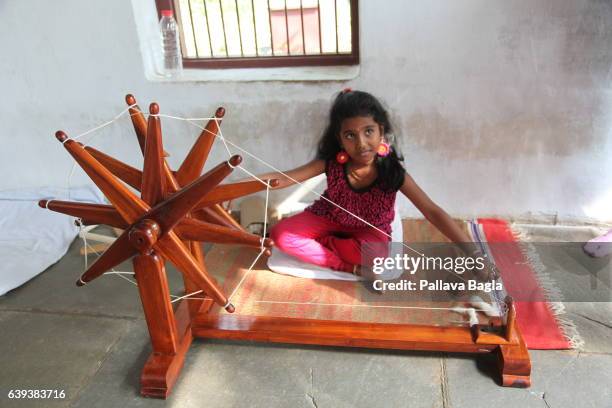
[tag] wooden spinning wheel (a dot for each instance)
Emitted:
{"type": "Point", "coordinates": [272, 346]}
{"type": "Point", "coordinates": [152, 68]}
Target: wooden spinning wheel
{"type": "Point", "coordinates": [176, 211]}
{"type": "Point", "coordinates": [179, 209]}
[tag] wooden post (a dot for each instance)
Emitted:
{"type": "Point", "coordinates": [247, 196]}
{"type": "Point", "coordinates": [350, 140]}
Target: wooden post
{"type": "Point", "coordinates": [169, 345]}
{"type": "Point", "coordinates": [513, 358]}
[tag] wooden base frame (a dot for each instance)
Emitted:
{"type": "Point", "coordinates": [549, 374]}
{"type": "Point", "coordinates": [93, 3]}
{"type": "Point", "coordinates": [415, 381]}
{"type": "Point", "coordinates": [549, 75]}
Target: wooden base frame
{"type": "Point", "coordinates": [160, 371]}
{"type": "Point", "coordinates": [179, 209]}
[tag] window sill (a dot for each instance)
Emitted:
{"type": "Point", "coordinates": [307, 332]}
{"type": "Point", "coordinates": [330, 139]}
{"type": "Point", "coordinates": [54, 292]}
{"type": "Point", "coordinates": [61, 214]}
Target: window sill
{"type": "Point", "coordinates": [333, 73]}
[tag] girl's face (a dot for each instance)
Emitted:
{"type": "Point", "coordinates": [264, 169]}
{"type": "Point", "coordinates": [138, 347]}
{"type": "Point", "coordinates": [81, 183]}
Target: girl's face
{"type": "Point", "coordinates": [360, 136]}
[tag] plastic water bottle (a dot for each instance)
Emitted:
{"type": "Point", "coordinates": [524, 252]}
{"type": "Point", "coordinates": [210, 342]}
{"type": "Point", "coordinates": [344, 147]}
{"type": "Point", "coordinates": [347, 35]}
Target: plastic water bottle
{"type": "Point", "coordinates": [171, 48]}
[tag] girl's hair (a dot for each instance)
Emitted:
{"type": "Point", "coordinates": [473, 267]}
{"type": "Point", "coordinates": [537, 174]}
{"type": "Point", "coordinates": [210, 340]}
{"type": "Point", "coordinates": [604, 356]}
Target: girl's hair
{"type": "Point", "coordinates": [349, 104]}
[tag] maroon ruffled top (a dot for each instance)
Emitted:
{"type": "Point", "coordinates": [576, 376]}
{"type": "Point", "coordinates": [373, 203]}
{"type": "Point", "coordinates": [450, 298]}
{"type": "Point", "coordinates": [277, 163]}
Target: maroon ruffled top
{"type": "Point", "coordinates": [372, 203]}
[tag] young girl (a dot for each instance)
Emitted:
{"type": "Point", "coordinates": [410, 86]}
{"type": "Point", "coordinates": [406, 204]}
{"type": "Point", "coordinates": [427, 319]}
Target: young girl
{"type": "Point", "coordinates": [364, 173]}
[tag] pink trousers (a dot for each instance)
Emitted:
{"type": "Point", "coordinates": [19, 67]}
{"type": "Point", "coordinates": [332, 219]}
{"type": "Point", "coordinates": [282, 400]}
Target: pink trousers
{"type": "Point", "coordinates": [319, 241]}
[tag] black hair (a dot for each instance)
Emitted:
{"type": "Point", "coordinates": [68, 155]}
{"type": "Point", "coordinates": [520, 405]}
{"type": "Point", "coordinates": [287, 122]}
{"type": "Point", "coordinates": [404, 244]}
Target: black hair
{"type": "Point", "coordinates": [349, 104]}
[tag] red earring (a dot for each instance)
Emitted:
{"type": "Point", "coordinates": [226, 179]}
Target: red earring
{"type": "Point", "coordinates": [383, 149]}
{"type": "Point", "coordinates": [342, 157]}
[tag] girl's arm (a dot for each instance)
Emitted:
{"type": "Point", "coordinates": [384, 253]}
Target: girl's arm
{"type": "Point", "coordinates": [305, 172]}
{"type": "Point", "coordinates": [434, 214]}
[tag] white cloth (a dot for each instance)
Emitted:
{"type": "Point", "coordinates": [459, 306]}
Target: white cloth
{"type": "Point", "coordinates": [33, 238]}
{"type": "Point", "coordinates": [285, 264]}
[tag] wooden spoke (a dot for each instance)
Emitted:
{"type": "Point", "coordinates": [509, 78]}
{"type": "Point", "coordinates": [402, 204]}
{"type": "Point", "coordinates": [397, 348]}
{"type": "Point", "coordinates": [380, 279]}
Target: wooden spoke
{"type": "Point", "coordinates": [119, 251]}
{"type": "Point", "coordinates": [140, 127]}
{"type": "Point", "coordinates": [180, 204]}
{"type": "Point", "coordinates": [192, 166]}
{"type": "Point", "coordinates": [196, 230]}
{"type": "Point", "coordinates": [129, 206]}
{"type": "Point", "coordinates": [130, 175]}
{"type": "Point", "coordinates": [93, 213]}
{"type": "Point", "coordinates": [171, 248]}
{"type": "Point", "coordinates": [138, 121]}
{"type": "Point", "coordinates": [153, 179]}
{"type": "Point", "coordinates": [172, 185]}
{"type": "Point", "coordinates": [226, 192]}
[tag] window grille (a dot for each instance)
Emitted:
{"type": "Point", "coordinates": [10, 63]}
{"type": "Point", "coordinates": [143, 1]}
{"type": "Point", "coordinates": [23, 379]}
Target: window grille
{"type": "Point", "coordinates": [266, 33]}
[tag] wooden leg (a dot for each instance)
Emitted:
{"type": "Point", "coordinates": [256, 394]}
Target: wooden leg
{"type": "Point", "coordinates": [170, 335]}
{"type": "Point", "coordinates": [514, 365]}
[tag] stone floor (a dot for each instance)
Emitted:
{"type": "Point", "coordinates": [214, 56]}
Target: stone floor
{"type": "Point", "coordinates": [92, 342]}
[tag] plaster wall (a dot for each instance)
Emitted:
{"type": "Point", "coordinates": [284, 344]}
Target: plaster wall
{"type": "Point", "coordinates": [504, 108]}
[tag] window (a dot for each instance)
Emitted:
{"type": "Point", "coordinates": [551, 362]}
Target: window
{"type": "Point", "coordinates": [266, 33]}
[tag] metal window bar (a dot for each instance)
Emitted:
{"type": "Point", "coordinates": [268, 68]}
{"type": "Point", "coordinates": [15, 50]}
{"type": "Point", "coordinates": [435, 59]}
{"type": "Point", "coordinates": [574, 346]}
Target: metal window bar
{"type": "Point", "coordinates": [254, 29]}
{"type": "Point", "coordinates": [319, 18]}
{"type": "Point", "coordinates": [239, 29]}
{"type": "Point", "coordinates": [270, 26]}
{"type": "Point", "coordinates": [223, 26]}
{"type": "Point", "coordinates": [302, 26]}
{"type": "Point", "coordinates": [294, 58]}
{"type": "Point", "coordinates": [336, 19]}
{"type": "Point", "coordinates": [212, 54]}
{"type": "Point", "coordinates": [287, 29]}
{"type": "Point", "coordinates": [195, 40]}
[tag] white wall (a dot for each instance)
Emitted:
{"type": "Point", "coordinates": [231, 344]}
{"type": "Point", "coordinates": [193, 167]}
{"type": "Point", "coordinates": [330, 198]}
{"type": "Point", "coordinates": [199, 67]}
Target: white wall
{"type": "Point", "coordinates": [504, 108]}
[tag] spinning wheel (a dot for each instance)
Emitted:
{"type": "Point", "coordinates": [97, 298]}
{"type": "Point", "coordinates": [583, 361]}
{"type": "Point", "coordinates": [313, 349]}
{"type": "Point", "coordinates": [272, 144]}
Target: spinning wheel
{"type": "Point", "coordinates": [179, 209]}
{"type": "Point", "coordinates": [174, 213]}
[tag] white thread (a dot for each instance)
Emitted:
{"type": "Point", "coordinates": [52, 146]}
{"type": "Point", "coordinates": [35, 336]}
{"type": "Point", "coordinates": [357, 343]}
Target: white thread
{"type": "Point", "coordinates": [103, 124]}
{"type": "Point", "coordinates": [245, 275]}
{"type": "Point", "coordinates": [68, 182]}
{"type": "Point", "coordinates": [188, 296]}
{"type": "Point", "coordinates": [252, 175]}
{"type": "Point", "coordinates": [359, 305]}
{"type": "Point", "coordinates": [220, 135]}
{"type": "Point", "coordinates": [47, 204]}
{"type": "Point", "coordinates": [127, 279]}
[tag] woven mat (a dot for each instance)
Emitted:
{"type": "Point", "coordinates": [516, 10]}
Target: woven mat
{"type": "Point", "coordinates": [262, 292]}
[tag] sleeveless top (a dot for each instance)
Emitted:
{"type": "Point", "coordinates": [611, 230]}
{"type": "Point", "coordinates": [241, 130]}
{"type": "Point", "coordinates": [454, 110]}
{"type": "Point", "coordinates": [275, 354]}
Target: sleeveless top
{"type": "Point", "coordinates": [372, 203]}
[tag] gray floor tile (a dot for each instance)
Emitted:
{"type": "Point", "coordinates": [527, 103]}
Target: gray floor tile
{"type": "Point", "coordinates": [594, 323]}
{"type": "Point", "coordinates": [559, 379]}
{"type": "Point", "coordinates": [49, 351]}
{"type": "Point", "coordinates": [116, 384]}
{"type": "Point", "coordinates": [244, 374]}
